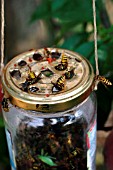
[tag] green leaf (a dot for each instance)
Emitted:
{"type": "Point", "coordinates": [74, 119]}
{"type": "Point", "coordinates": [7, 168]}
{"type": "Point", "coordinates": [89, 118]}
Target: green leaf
{"type": "Point", "coordinates": [43, 11]}
{"type": "Point", "coordinates": [102, 55]}
{"type": "Point", "coordinates": [72, 12]}
{"type": "Point", "coordinates": [1, 122]}
{"type": "Point", "coordinates": [65, 11]}
{"type": "Point", "coordinates": [47, 160]}
{"type": "Point", "coordinates": [106, 33]}
{"type": "Point", "coordinates": [73, 41]}
{"type": "Point", "coordinates": [56, 4]}
{"type": "Point", "coordinates": [108, 63]}
{"type": "Point", "coordinates": [3, 146]}
{"type": "Point", "coordinates": [86, 49]}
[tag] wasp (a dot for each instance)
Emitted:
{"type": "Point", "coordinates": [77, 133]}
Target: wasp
{"type": "Point", "coordinates": [103, 80]}
{"type": "Point", "coordinates": [31, 75]}
{"type": "Point", "coordinates": [32, 79]}
{"type": "Point", "coordinates": [64, 60]}
{"type": "Point", "coordinates": [59, 85]}
{"type": "Point", "coordinates": [5, 105]}
{"type": "Point", "coordinates": [69, 74]}
{"type": "Point", "coordinates": [63, 65]}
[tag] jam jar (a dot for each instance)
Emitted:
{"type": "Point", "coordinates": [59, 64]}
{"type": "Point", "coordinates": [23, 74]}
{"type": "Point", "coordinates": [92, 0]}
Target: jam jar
{"type": "Point", "coordinates": [49, 110]}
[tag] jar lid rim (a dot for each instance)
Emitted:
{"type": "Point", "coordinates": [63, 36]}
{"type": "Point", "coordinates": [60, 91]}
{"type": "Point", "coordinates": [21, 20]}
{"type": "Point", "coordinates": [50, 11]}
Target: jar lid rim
{"type": "Point", "coordinates": [56, 101]}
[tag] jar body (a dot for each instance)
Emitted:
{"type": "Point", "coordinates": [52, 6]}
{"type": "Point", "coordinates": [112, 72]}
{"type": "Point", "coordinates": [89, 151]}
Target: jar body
{"type": "Point", "coordinates": [44, 141]}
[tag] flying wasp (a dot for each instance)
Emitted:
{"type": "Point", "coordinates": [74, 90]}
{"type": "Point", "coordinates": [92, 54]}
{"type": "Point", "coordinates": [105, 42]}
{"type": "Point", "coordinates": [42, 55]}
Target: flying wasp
{"type": "Point", "coordinates": [103, 80]}
{"type": "Point", "coordinates": [63, 65]}
{"type": "Point", "coordinates": [5, 105]}
{"type": "Point", "coordinates": [59, 85]}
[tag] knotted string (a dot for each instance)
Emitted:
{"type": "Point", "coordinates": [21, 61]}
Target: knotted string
{"type": "Point", "coordinates": [2, 34]}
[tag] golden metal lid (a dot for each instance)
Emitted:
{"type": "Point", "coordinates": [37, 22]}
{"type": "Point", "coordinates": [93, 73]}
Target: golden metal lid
{"type": "Point", "coordinates": [48, 79]}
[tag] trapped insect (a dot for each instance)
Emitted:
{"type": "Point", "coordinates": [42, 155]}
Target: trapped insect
{"type": "Point", "coordinates": [60, 83]}
{"type": "Point", "coordinates": [5, 105]}
{"type": "Point", "coordinates": [63, 65]}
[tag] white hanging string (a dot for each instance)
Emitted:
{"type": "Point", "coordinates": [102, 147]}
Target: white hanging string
{"type": "Point", "coordinates": [2, 34]}
{"type": "Point", "coordinates": [98, 78]}
{"type": "Point", "coordinates": [95, 37]}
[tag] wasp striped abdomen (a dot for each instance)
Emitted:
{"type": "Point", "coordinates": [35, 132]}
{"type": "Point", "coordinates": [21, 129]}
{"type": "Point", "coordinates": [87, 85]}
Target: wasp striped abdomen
{"type": "Point", "coordinates": [63, 65]}
{"type": "Point", "coordinates": [59, 85]}
{"type": "Point", "coordinates": [103, 80]}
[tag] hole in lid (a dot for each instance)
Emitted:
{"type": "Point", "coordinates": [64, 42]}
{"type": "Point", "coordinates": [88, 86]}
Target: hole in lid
{"type": "Point", "coordinates": [33, 89]}
{"type": "Point", "coordinates": [22, 63]}
{"type": "Point", "coordinates": [37, 57]}
{"type": "Point", "coordinates": [47, 72]}
{"type": "Point", "coordinates": [55, 54]}
{"type": "Point", "coordinates": [15, 74]}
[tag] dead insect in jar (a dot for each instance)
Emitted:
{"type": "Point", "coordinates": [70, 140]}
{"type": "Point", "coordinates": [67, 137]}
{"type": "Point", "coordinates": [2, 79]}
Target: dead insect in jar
{"type": "Point", "coordinates": [69, 73]}
{"type": "Point", "coordinates": [77, 151]}
{"type": "Point", "coordinates": [59, 85]}
{"type": "Point", "coordinates": [63, 65]}
{"type": "Point", "coordinates": [35, 166]}
{"type": "Point", "coordinates": [5, 105]}
{"type": "Point", "coordinates": [103, 80]}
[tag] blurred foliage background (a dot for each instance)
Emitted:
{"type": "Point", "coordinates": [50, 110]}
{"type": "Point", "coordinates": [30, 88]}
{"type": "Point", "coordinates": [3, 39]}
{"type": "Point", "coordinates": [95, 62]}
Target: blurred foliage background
{"type": "Point", "coordinates": [66, 24]}
{"type": "Point", "coordinates": [70, 24]}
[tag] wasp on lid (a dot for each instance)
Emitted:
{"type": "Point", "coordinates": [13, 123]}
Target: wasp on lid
{"type": "Point", "coordinates": [64, 63]}
{"type": "Point", "coordinates": [59, 85]}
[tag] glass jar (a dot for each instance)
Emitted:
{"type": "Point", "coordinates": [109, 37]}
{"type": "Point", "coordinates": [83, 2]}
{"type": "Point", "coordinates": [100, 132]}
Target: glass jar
{"type": "Point", "coordinates": [49, 110]}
